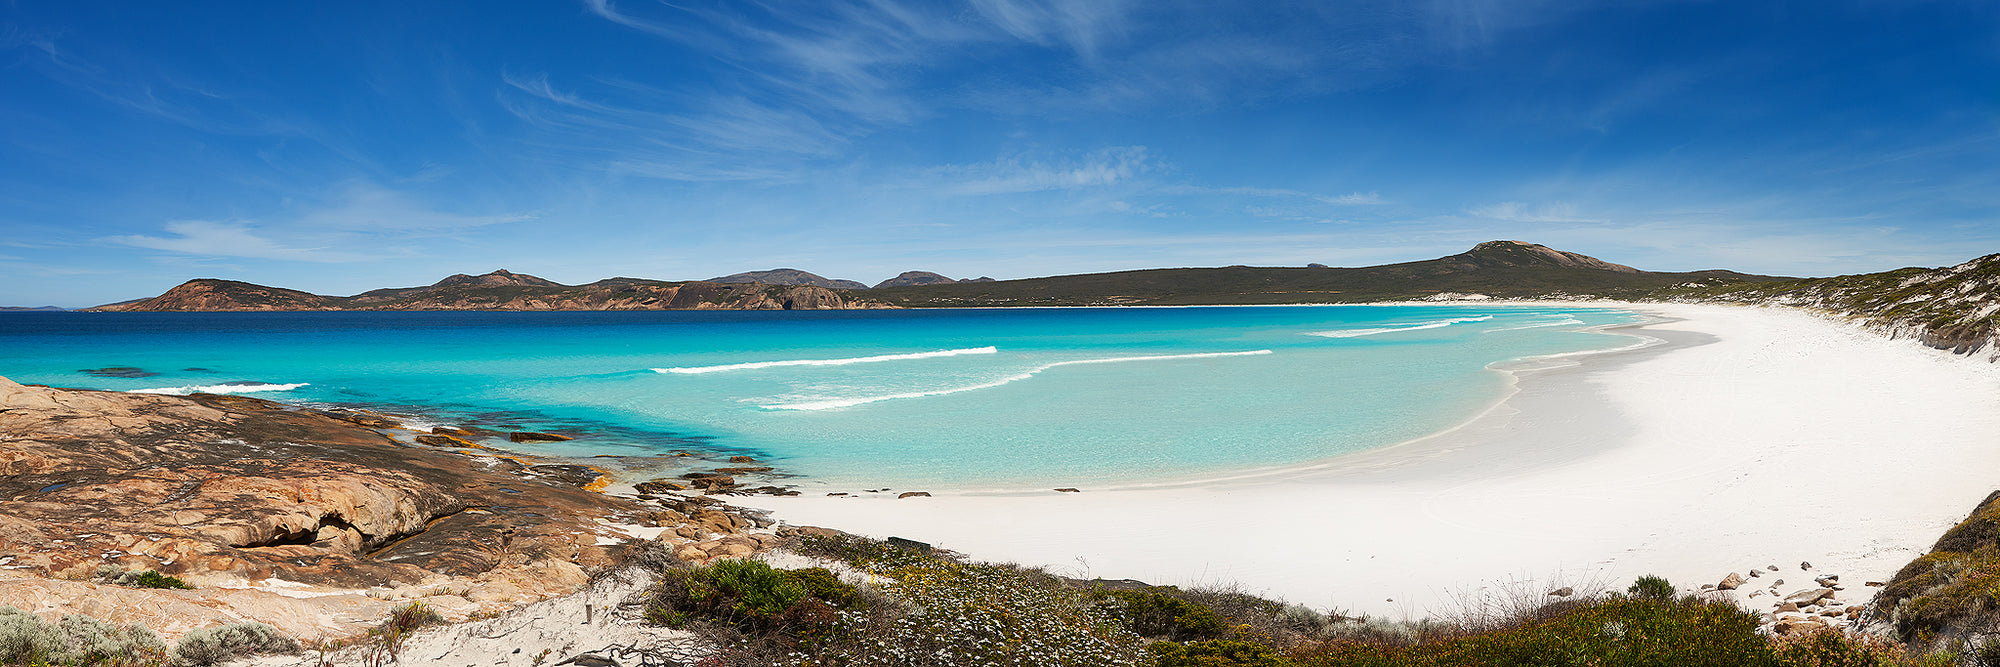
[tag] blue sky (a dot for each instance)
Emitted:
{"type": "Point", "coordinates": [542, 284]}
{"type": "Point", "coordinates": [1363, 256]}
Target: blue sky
{"type": "Point", "coordinates": [340, 147]}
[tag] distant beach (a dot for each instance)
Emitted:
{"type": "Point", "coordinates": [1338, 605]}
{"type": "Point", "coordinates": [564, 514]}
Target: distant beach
{"type": "Point", "coordinates": [1736, 437]}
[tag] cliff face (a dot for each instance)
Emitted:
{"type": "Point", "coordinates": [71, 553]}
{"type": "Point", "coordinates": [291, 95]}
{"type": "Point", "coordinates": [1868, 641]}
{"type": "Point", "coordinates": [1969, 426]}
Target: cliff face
{"type": "Point", "coordinates": [1951, 308]}
{"type": "Point", "coordinates": [502, 290]}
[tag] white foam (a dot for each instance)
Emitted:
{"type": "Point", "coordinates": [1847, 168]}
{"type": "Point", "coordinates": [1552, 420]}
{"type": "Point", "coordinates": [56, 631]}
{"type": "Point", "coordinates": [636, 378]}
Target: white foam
{"type": "Point", "coordinates": [1353, 333]}
{"type": "Point", "coordinates": [828, 362]}
{"type": "Point", "coordinates": [1565, 322]}
{"type": "Point", "coordinates": [830, 403]}
{"type": "Point", "coordinates": [228, 388]}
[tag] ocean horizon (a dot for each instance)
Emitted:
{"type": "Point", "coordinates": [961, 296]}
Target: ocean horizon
{"type": "Point", "coordinates": [952, 399]}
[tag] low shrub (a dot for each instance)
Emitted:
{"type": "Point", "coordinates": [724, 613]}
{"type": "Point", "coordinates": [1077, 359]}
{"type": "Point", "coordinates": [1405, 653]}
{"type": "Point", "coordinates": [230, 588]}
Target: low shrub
{"type": "Point", "coordinates": [1652, 588]}
{"type": "Point", "coordinates": [76, 640]}
{"type": "Point", "coordinates": [752, 597]}
{"type": "Point", "coordinates": [1832, 648]}
{"type": "Point", "coordinates": [1158, 613]}
{"type": "Point", "coordinates": [223, 643]}
{"type": "Point", "coordinates": [118, 576]}
{"type": "Point", "coordinates": [1217, 653]}
{"type": "Point", "coordinates": [388, 637]}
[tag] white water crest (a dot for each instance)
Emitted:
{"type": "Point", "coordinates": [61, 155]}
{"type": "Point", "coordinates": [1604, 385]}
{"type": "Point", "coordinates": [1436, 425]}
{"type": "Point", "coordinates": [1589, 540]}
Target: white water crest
{"type": "Point", "coordinates": [831, 403]}
{"type": "Point", "coordinates": [1354, 333]}
{"type": "Point", "coordinates": [224, 388]}
{"type": "Point", "coordinates": [828, 362]}
{"type": "Point", "coordinates": [1565, 322]}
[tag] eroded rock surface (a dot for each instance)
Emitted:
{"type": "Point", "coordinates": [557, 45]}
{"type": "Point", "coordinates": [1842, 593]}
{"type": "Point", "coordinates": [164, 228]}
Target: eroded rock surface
{"type": "Point", "coordinates": [282, 504]}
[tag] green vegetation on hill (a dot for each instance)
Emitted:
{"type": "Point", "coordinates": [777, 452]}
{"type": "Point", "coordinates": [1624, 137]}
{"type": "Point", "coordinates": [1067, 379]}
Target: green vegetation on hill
{"type": "Point", "coordinates": [1952, 593]}
{"type": "Point", "coordinates": [1955, 308]}
{"type": "Point", "coordinates": [1501, 269]}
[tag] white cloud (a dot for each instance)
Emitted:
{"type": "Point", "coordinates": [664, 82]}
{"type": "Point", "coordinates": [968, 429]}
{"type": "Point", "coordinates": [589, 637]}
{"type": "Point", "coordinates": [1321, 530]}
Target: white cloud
{"type": "Point", "coordinates": [1349, 199]}
{"type": "Point", "coordinates": [365, 223]}
{"type": "Point", "coordinates": [1100, 168]}
{"type": "Point", "coordinates": [229, 239]}
{"type": "Point", "coordinates": [1514, 211]}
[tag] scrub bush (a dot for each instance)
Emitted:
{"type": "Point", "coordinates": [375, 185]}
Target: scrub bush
{"type": "Point", "coordinates": [223, 643]}
{"type": "Point", "coordinates": [1156, 612]}
{"type": "Point", "coordinates": [118, 576]}
{"type": "Point", "coordinates": [76, 640]}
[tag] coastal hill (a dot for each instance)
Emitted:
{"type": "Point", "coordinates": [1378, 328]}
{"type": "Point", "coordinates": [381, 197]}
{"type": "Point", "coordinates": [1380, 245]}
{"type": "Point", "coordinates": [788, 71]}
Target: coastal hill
{"type": "Point", "coordinates": [1954, 308]}
{"type": "Point", "coordinates": [911, 278]}
{"type": "Point", "coordinates": [502, 290]}
{"type": "Point", "coordinates": [1500, 269]}
{"type": "Point", "coordinates": [788, 277]}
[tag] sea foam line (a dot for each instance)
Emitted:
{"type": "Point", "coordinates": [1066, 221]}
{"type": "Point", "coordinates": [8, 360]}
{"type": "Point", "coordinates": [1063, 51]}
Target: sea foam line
{"type": "Point", "coordinates": [827, 362]}
{"type": "Point", "coordinates": [831, 403]}
{"type": "Point", "coordinates": [225, 388]}
{"type": "Point", "coordinates": [1353, 333]}
{"type": "Point", "coordinates": [1567, 321]}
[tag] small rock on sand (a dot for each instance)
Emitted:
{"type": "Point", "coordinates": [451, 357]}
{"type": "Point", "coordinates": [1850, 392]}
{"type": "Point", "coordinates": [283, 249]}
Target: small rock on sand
{"type": "Point", "coordinates": [1730, 582]}
{"type": "Point", "coordinates": [914, 494]}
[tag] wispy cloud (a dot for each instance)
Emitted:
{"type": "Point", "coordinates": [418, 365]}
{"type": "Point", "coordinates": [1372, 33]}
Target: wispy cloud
{"type": "Point", "coordinates": [814, 75]}
{"type": "Point", "coordinates": [1100, 168]}
{"type": "Point", "coordinates": [365, 223]}
{"type": "Point", "coordinates": [1514, 211]}
{"type": "Point", "coordinates": [720, 139]}
{"type": "Point", "coordinates": [229, 239]}
{"type": "Point", "coordinates": [1350, 199]}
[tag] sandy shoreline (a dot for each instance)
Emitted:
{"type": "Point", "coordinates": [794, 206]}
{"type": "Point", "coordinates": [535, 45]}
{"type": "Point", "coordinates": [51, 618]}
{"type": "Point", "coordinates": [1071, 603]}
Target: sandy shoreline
{"type": "Point", "coordinates": [1751, 437]}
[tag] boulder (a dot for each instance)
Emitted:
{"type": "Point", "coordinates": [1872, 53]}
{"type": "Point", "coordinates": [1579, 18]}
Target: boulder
{"type": "Point", "coordinates": [657, 487]}
{"type": "Point", "coordinates": [436, 440]}
{"type": "Point", "coordinates": [742, 459]}
{"type": "Point", "coordinates": [1798, 626]}
{"type": "Point", "coordinates": [1730, 582]}
{"type": "Point", "coordinates": [914, 494]}
{"type": "Point", "coordinates": [532, 436]}
{"type": "Point", "coordinates": [913, 545]}
{"type": "Point", "coordinates": [1809, 596]}
{"type": "Point", "coordinates": [1069, 490]}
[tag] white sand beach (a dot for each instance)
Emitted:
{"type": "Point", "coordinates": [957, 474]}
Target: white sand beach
{"type": "Point", "coordinates": [1749, 437]}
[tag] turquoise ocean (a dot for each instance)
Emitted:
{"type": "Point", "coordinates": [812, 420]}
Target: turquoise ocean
{"type": "Point", "coordinates": [942, 399]}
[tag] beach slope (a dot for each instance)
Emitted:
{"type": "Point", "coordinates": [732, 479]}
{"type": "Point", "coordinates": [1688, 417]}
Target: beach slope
{"type": "Point", "coordinates": [1736, 438]}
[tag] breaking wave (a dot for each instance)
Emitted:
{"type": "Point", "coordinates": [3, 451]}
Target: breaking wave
{"type": "Point", "coordinates": [843, 402]}
{"type": "Point", "coordinates": [224, 388]}
{"type": "Point", "coordinates": [1354, 333]}
{"type": "Point", "coordinates": [1566, 321]}
{"type": "Point", "coordinates": [827, 362]}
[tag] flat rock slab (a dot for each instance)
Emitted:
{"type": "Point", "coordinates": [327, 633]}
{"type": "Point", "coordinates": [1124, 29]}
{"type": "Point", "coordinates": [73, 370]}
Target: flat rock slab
{"type": "Point", "coordinates": [218, 489]}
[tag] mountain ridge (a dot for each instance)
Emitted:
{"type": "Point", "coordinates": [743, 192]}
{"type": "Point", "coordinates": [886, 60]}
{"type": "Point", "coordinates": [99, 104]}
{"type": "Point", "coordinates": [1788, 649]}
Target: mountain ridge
{"type": "Point", "coordinates": [1496, 269]}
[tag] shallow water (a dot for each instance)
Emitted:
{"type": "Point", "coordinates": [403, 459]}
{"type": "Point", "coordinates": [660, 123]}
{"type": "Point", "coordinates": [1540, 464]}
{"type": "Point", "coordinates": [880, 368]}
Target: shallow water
{"type": "Point", "coordinates": [989, 398]}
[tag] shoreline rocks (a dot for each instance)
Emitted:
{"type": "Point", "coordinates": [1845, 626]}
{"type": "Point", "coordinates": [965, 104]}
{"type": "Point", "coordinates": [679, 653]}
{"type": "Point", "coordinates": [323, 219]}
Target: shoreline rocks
{"type": "Point", "coordinates": [310, 521]}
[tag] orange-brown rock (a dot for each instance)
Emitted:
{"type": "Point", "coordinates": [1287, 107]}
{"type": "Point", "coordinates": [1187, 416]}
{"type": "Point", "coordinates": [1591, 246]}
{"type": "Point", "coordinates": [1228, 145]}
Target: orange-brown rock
{"type": "Point", "coordinates": [223, 490]}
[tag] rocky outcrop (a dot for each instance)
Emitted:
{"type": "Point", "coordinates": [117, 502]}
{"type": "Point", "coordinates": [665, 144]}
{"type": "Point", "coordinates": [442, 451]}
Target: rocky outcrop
{"type": "Point", "coordinates": [238, 494]}
{"type": "Point", "coordinates": [504, 290]}
{"type": "Point", "coordinates": [211, 294]}
{"type": "Point", "coordinates": [787, 277]}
